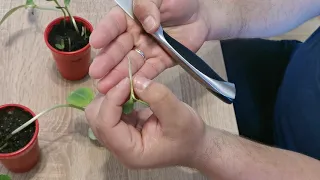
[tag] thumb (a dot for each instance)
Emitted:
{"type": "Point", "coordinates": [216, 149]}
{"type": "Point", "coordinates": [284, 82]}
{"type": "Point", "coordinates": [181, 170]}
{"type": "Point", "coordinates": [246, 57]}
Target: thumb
{"type": "Point", "coordinates": [148, 13]}
{"type": "Point", "coordinates": [163, 103]}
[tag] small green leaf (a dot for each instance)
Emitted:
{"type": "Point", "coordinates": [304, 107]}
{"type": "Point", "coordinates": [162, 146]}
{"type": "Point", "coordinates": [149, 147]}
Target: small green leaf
{"type": "Point", "coordinates": [30, 3]}
{"type": "Point", "coordinates": [66, 2]}
{"type": "Point", "coordinates": [10, 12]}
{"type": "Point", "coordinates": [4, 177]}
{"type": "Point", "coordinates": [128, 107]}
{"type": "Point", "coordinates": [59, 46]}
{"type": "Point", "coordinates": [81, 97]}
{"type": "Point", "coordinates": [91, 135]}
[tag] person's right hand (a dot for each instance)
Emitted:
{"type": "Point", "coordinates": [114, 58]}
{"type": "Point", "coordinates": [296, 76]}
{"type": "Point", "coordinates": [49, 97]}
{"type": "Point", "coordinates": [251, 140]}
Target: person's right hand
{"type": "Point", "coordinates": [117, 35]}
{"type": "Point", "coordinates": [167, 133]}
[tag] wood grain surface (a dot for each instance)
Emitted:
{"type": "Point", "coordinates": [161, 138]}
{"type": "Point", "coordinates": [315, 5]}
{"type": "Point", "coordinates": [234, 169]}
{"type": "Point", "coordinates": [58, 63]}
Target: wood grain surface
{"type": "Point", "coordinates": [28, 76]}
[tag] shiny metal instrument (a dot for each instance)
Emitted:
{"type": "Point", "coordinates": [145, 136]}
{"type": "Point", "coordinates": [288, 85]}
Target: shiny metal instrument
{"type": "Point", "coordinates": [189, 61]}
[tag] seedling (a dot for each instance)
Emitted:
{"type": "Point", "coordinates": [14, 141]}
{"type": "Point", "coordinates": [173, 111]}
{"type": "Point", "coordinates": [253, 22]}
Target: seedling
{"type": "Point", "coordinates": [78, 99]}
{"type": "Point", "coordinates": [60, 32]}
{"type": "Point", "coordinates": [4, 177]}
{"type": "Point", "coordinates": [129, 105]}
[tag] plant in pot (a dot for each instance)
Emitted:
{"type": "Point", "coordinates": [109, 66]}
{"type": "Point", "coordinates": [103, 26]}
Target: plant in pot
{"type": "Point", "coordinates": [19, 127]}
{"type": "Point", "coordinates": [67, 37]}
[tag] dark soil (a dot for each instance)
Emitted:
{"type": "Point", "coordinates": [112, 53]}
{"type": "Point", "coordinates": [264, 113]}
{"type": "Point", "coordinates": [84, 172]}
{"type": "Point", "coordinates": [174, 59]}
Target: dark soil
{"type": "Point", "coordinates": [66, 32]}
{"type": "Point", "coordinates": [10, 119]}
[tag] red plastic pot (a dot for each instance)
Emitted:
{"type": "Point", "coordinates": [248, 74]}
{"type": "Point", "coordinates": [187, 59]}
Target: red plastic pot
{"type": "Point", "coordinates": [27, 157]}
{"type": "Point", "coordinates": [71, 65]}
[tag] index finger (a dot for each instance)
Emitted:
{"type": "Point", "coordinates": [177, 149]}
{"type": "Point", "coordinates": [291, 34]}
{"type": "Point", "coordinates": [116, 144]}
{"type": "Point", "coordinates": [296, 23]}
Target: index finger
{"type": "Point", "coordinates": [110, 27]}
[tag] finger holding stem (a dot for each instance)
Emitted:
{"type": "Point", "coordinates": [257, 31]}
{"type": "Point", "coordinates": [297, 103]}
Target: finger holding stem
{"type": "Point", "coordinates": [129, 105]}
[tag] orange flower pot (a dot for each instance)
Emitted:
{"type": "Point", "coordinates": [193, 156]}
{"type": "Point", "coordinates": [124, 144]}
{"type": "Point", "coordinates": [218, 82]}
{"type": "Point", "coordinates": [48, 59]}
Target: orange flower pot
{"type": "Point", "coordinates": [26, 158]}
{"type": "Point", "coordinates": [72, 65]}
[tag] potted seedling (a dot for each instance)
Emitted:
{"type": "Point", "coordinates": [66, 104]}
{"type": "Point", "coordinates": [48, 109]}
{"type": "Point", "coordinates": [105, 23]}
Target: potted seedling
{"type": "Point", "coordinates": [67, 37]}
{"type": "Point", "coordinates": [19, 127]}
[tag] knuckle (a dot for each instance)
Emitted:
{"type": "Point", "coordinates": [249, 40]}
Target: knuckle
{"type": "Point", "coordinates": [159, 93]}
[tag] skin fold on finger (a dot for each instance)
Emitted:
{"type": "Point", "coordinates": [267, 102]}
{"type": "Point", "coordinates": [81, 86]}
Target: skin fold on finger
{"type": "Point", "coordinates": [110, 56]}
{"type": "Point", "coordinates": [144, 9]}
{"type": "Point", "coordinates": [111, 26]}
{"type": "Point", "coordinates": [163, 103]}
{"type": "Point", "coordinates": [142, 116]}
{"type": "Point", "coordinates": [121, 71]}
{"type": "Point", "coordinates": [151, 68]}
{"type": "Point", "coordinates": [137, 118]}
{"type": "Point", "coordinates": [130, 119]}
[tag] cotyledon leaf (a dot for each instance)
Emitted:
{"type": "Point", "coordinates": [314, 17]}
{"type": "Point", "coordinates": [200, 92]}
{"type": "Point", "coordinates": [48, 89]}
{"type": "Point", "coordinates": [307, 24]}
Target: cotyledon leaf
{"type": "Point", "coordinates": [4, 177]}
{"type": "Point", "coordinates": [10, 12]}
{"type": "Point", "coordinates": [29, 2]}
{"type": "Point", "coordinates": [81, 97]}
{"type": "Point", "coordinates": [66, 2]}
{"type": "Point", "coordinates": [91, 135]}
{"type": "Point", "coordinates": [128, 107]}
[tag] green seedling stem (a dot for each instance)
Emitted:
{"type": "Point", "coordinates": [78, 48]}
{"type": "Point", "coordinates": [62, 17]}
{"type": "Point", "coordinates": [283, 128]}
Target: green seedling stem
{"type": "Point", "coordinates": [77, 99]}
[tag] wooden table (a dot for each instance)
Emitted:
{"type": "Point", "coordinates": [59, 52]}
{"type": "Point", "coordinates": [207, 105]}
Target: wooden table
{"type": "Point", "coordinates": [28, 76]}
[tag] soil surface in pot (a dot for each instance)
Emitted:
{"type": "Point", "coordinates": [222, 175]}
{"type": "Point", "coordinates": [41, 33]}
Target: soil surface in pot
{"type": "Point", "coordinates": [64, 36]}
{"type": "Point", "coordinates": [10, 119]}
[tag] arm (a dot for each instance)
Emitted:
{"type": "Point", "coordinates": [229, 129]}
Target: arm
{"type": "Point", "coordinates": [250, 18]}
{"type": "Point", "coordinates": [228, 157]}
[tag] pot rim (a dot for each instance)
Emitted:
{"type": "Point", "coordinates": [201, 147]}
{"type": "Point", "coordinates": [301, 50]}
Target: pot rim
{"type": "Point", "coordinates": [55, 21]}
{"type": "Point", "coordinates": [31, 142]}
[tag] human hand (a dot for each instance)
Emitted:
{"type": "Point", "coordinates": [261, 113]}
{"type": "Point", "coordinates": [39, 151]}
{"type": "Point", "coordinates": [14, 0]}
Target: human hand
{"type": "Point", "coordinates": [166, 134]}
{"type": "Point", "coordinates": [117, 35]}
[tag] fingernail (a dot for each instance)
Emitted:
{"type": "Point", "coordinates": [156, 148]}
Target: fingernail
{"type": "Point", "coordinates": [149, 23]}
{"type": "Point", "coordinates": [123, 82]}
{"type": "Point", "coordinates": [141, 83]}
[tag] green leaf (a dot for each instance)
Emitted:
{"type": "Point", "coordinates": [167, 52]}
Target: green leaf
{"type": "Point", "coordinates": [10, 12]}
{"type": "Point", "coordinates": [91, 135]}
{"type": "Point", "coordinates": [128, 107]}
{"type": "Point", "coordinates": [81, 97]}
{"type": "Point", "coordinates": [59, 46]}
{"type": "Point", "coordinates": [4, 177]}
{"type": "Point", "coordinates": [30, 3]}
{"type": "Point", "coordinates": [66, 2]}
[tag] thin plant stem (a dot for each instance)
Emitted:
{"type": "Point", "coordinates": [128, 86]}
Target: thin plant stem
{"type": "Point", "coordinates": [45, 8]}
{"type": "Point", "coordinates": [72, 20]}
{"type": "Point", "coordinates": [34, 119]}
{"type": "Point", "coordinates": [42, 113]}
{"type": "Point", "coordinates": [131, 85]}
{"type": "Point", "coordinates": [64, 13]}
{"type": "Point", "coordinates": [130, 79]}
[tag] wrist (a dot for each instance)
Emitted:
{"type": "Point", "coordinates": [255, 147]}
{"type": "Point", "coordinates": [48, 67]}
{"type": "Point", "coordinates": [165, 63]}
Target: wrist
{"type": "Point", "coordinates": [208, 157]}
{"type": "Point", "coordinates": [223, 19]}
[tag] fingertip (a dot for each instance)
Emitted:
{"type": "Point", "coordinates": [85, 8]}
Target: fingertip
{"type": "Point", "coordinates": [94, 41]}
{"type": "Point", "coordinates": [148, 14]}
{"type": "Point", "coordinates": [95, 71]}
{"type": "Point", "coordinates": [110, 27]}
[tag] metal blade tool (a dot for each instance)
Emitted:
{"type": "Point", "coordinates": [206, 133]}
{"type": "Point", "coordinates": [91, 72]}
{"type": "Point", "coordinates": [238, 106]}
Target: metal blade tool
{"type": "Point", "coordinates": [189, 61]}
